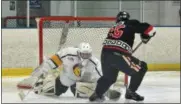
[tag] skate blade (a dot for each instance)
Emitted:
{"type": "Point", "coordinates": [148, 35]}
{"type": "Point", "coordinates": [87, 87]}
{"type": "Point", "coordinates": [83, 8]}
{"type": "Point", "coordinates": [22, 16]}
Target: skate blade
{"type": "Point", "coordinates": [127, 101]}
{"type": "Point", "coordinates": [98, 101]}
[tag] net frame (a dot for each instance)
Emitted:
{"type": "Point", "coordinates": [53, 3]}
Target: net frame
{"type": "Point", "coordinates": [66, 19]}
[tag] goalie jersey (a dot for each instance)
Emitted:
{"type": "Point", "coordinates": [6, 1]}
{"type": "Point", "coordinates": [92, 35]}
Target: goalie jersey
{"type": "Point", "coordinates": [75, 68]}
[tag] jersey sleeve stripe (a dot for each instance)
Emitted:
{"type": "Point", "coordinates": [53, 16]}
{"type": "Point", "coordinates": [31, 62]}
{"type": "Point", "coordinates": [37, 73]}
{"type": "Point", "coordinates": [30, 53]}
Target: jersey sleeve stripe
{"type": "Point", "coordinates": [95, 67]}
{"type": "Point", "coordinates": [93, 62]}
{"type": "Point", "coordinates": [150, 28]}
{"type": "Point", "coordinates": [68, 55]}
{"type": "Point", "coordinates": [98, 72]}
{"type": "Point", "coordinates": [56, 60]}
{"type": "Point", "coordinates": [127, 60]}
{"type": "Point", "coordinates": [52, 64]}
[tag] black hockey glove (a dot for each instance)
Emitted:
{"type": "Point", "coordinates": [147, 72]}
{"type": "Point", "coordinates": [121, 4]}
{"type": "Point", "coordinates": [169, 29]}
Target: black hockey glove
{"type": "Point", "coordinates": [145, 38]}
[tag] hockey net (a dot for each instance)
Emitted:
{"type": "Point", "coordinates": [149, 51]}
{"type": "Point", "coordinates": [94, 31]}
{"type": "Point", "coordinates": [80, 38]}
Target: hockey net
{"type": "Point", "coordinates": [54, 36]}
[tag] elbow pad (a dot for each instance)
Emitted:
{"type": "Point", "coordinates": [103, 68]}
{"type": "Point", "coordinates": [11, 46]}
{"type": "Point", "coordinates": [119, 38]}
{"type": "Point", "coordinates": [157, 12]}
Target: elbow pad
{"type": "Point", "coordinates": [55, 61]}
{"type": "Point", "coordinates": [48, 64]}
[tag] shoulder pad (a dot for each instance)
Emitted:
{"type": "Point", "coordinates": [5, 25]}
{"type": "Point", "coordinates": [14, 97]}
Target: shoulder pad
{"type": "Point", "coordinates": [133, 22]}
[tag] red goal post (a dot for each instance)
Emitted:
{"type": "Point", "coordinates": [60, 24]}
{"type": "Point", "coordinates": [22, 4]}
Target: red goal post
{"type": "Point", "coordinates": [89, 29]}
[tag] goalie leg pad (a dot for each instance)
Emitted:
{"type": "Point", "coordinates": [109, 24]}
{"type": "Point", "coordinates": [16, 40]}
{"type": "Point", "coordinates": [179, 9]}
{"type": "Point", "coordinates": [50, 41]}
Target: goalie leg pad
{"type": "Point", "coordinates": [46, 87]}
{"type": "Point", "coordinates": [51, 86]}
{"type": "Point", "coordinates": [27, 83]}
{"type": "Point", "coordinates": [84, 89]}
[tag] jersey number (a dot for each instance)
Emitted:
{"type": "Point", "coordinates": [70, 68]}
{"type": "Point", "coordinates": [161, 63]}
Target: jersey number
{"type": "Point", "coordinates": [116, 32]}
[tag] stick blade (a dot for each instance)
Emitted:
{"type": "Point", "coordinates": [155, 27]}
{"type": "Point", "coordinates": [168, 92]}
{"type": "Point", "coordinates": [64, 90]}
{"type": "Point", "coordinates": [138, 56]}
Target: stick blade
{"type": "Point", "coordinates": [21, 95]}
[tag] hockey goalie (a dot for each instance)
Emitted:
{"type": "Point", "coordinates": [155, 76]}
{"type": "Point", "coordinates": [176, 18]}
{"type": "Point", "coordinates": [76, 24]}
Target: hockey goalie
{"type": "Point", "coordinates": [73, 67]}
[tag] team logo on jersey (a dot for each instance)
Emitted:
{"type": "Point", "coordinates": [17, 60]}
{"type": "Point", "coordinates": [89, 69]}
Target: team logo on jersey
{"type": "Point", "coordinates": [77, 70]}
{"type": "Point", "coordinates": [71, 58]}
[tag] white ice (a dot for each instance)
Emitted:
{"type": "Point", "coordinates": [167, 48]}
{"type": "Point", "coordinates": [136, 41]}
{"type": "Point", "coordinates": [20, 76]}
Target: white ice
{"type": "Point", "coordinates": [157, 87]}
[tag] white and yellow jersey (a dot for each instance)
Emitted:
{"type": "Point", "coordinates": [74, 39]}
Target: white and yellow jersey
{"type": "Point", "coordinates": [74, 68]}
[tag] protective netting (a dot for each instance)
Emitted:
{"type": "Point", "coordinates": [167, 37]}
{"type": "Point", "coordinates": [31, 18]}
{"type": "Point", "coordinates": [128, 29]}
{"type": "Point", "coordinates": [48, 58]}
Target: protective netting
{"type": "Point", "coordinates": [93, 32]}
{"type": "Point", "coordinates": [18, 22]}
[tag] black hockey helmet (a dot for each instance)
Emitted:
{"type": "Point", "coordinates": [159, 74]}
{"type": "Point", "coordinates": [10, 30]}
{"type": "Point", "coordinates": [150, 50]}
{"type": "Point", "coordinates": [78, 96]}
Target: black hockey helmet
{"type": "Point", "coordinates": [122, 16]}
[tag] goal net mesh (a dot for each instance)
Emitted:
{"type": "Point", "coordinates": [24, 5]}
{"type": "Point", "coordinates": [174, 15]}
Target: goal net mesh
{"type": "Point", "coordinates": [80, 29]}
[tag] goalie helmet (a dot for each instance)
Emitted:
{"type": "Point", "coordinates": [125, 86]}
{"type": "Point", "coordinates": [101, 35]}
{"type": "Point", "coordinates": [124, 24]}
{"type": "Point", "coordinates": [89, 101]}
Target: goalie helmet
{"type": "Point", "coordinates": [85, 50]}
{"type": "Point", "coordinates": [122, 16]}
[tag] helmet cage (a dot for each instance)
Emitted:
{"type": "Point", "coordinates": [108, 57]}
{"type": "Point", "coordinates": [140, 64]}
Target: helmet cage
{"type": "Point", "coordinates": [84, 55]}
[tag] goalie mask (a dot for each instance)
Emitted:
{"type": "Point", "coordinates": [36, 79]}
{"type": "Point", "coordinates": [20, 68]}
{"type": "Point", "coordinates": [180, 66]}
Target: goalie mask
{"type": "Point", "coordinates": [85, 50]}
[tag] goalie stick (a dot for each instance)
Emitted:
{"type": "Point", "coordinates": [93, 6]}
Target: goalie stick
{"type": "Point", "coordinates": [134, 50]}
{"type": "Point", "coordinates": [63, 38]}
{"type": "Point", "coordinates": [22, 95]}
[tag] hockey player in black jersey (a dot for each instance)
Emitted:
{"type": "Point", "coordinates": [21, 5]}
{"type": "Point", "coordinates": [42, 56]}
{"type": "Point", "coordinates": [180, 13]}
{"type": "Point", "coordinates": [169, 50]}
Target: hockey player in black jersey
{"type": "Point", "coordinates": [117, 56]}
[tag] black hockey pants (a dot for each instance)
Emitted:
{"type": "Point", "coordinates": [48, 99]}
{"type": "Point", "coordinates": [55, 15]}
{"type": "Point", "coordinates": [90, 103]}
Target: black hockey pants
{"type": "Point", "coordinates": [60, 89]}
{"type": "Point", "coordinates": [112, 63]}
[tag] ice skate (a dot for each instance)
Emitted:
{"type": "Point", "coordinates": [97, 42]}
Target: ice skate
{"type": "Point", "coordinates": [95, 97]}
{"type": "Point", "coordinates": [133, 96]}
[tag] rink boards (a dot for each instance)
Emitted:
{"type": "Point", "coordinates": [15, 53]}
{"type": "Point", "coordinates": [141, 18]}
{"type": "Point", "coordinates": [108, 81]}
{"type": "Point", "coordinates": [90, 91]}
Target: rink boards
{"type": "Point", "coordinates": [20, 48]}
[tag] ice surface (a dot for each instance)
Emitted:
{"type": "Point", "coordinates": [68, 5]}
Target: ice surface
{"type": "Point", "coordinates": [157, 87]}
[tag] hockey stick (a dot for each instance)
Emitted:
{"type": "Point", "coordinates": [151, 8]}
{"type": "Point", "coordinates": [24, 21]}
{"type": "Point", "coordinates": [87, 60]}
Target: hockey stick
{"type": "Point", "coordinates": [142, 43]}
{"type": "Point", "coordinates": [63, 37]}
{"type": "Point", "coordinates": [22, 95]}
{"type": "Point", "coordinates": [112, 94]}
{"type": "Point", "coordinates": [134, 50]}
{"type": "Point", "coordinates": [137, 47]}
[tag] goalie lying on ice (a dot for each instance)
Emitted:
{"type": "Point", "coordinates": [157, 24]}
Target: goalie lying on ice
{"type": "Point", "coordinates": [79, 71]}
